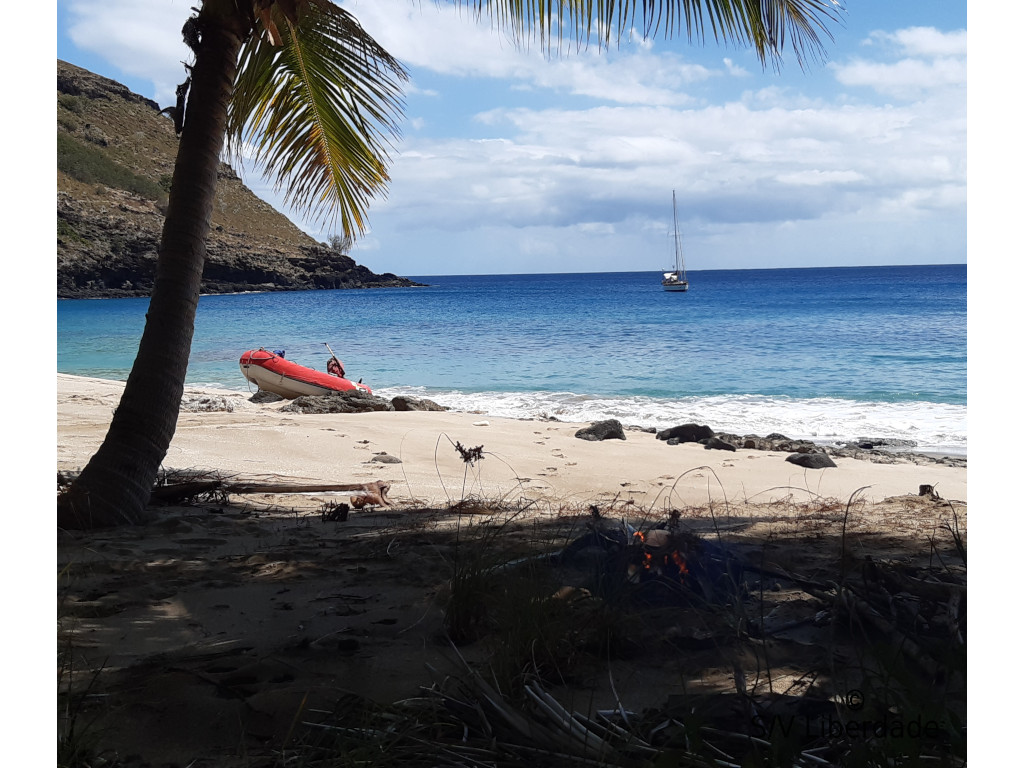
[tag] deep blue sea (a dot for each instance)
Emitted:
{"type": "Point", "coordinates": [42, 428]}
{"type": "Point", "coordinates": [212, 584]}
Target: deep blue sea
{"type": "Point", "coordinates": [828, 354]}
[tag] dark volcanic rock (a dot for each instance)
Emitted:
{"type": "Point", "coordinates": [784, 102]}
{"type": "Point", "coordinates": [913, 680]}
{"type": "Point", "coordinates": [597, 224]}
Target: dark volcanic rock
{"type": "Point", "coordinates": [263, 396]}
{"type": "Point", "coordinates": [807, 453]}
{"type": "Point", "coordinates": [75, 81]}
{"type": "Point", "coordinates": [402, 403]}
{"type": "Point", "coordinates": [717, 444]}
{"type": "Point", "coordinates": [874, 443]}
{"type": "Point", "coordinates": [602, 430]}
{"type": "Point", "coordinates": [352, 401]}
{"type": "Point", "coordinates": [686, 433]}
{"type": "Point", "coordinates": [811, 460]}
{"type": "Point", "coordinates": [777, 442]}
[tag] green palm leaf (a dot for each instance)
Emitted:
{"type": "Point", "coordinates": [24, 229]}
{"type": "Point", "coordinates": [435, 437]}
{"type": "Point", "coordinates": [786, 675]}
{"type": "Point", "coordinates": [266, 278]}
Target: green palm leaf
{"type": "Point", "coordinates": [319, 112]}
{"type": "Point", "coordinates": [764, 25]}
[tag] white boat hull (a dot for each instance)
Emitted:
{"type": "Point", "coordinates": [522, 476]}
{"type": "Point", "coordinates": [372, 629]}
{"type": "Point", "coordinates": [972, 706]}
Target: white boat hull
{"type": "Point", "coordinates": [279, 384]}
{"type": "Point", "coordinates": [674, 281]}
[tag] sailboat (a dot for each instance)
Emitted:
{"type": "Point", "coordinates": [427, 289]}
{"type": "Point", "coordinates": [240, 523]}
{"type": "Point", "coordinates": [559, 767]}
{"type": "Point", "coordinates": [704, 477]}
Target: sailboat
{"type": "Point", "coordinates": [676, 279]}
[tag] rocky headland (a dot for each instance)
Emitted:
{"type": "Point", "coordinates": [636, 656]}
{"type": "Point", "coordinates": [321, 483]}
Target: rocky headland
{"type": "Point", "coordinates": [115, 157]}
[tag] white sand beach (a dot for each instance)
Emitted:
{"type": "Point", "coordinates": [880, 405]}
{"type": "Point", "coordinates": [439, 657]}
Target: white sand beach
{"type": "Point", "coordinates": [522, 459]}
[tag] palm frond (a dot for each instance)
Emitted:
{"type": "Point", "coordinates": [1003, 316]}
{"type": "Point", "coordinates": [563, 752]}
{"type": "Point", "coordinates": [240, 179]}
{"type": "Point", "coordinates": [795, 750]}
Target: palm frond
{"type": "Point", "coordinates": [319, 112]}
{"type": "Point", "coordinates": [764, 25]}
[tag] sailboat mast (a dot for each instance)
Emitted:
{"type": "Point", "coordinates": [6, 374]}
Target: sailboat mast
{"type": "Point", "coordinates": [675, 232]}
{"type": "Point", "coordinates": [676, 281]}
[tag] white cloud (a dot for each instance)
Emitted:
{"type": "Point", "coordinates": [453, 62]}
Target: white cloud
{"type": "Point", "coordinates": [141, 39]}
{"type": "Point", "coordinates": [926, 42]}
{"type": "Point", "coordinates": [817, 178]}
{"type": "Point", "coordinates": [906, 78]}
{"type": "Point", "coordinates": [728, 163]}
{"type": "Point", "coordinates": [733, 69]}
{"type": "Point", "coordinates": [930, 60]}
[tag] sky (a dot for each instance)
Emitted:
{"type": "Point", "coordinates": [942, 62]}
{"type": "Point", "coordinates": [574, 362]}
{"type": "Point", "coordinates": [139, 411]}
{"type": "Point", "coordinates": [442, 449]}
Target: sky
{"type": "Point", "coordinates": [513, 161]}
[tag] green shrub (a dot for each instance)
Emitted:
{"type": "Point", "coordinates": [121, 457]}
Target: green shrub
{"type": "Point", "coordinates": [91, 165]}
{"type": "Point", "coordinates": [71, 103]}
{"type": "Point", "coordinates": [66, 232]}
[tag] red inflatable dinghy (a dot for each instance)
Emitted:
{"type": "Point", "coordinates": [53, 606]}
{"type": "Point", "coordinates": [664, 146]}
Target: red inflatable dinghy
{"type": "Point", "coordinates": [271, 372]}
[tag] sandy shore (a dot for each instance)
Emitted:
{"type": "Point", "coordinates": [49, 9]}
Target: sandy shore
{"type": "Point", "coordinates": [242, 615]}
{"type": "Point", "coordinates": [523, 459]}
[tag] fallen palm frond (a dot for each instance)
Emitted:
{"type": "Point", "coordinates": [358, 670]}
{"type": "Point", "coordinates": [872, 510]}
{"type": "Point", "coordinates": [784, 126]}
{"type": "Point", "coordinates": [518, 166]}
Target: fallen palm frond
{"type": "Point", "coordinates": [466, 721]}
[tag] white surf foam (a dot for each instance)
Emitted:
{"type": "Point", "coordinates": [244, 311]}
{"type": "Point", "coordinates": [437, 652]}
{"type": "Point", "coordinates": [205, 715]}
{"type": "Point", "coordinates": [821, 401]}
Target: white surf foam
{"type": "Point", "coordinates": [932, 427]}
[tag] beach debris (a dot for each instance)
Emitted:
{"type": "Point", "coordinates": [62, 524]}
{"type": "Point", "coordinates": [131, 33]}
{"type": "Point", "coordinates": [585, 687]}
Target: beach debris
{"type": "Point", "coordinates": [481, 423]}
{"type": "Point", "coordinates": [470, 455]}
{"type": "Point", "coordinates": [603, 538]}
{"type": "Point", "coordinates": [739, 722]}
{"type": "Point", "coordinates": [674, 565]}
{"type": "Point", "coordinates": [666, 565]}
{"type": "Point", "coordinates": [172, 490]}
{"type": "Point", "coordinates": [610, 429]}
{"type": "Point", "coordinates": [334, 512]}
{"type": "Point", "coordinates": [921, 613]}
{"type": "Point", "coordinates": [929, 491]}
{"type": "Point", "coordinates": [917, 613]}
{"type": "Point", "coordinates": [373, 494]}
{"type": "Point", "coordinates": [465, 720]}
{"type": "Point", "coordinates": [814, 460]}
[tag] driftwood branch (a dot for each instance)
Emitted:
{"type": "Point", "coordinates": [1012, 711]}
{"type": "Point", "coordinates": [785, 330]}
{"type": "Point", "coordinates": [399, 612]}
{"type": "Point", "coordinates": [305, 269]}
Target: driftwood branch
{"type": "Point", "coordinates": [170, 493]}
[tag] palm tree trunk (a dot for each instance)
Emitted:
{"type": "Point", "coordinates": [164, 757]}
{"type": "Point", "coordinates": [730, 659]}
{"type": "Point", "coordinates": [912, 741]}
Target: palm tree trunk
{"type": "Point", "coordinates": [115, 486]}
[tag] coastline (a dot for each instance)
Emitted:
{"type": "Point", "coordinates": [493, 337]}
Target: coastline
{"type": "Point", "coordinates": [542, 461]}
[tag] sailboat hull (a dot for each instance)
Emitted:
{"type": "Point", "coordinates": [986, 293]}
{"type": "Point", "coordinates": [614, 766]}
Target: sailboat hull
{"type": "Point", "coordinates": [675, 281]}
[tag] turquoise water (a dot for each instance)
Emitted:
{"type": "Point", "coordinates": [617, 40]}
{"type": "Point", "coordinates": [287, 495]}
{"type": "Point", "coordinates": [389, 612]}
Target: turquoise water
{"type": "Point", "coordinates": [831, 353]}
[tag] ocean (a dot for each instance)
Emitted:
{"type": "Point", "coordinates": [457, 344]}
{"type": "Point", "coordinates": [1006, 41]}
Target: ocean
{"type": "Point", "coordinates": [827, 354]}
